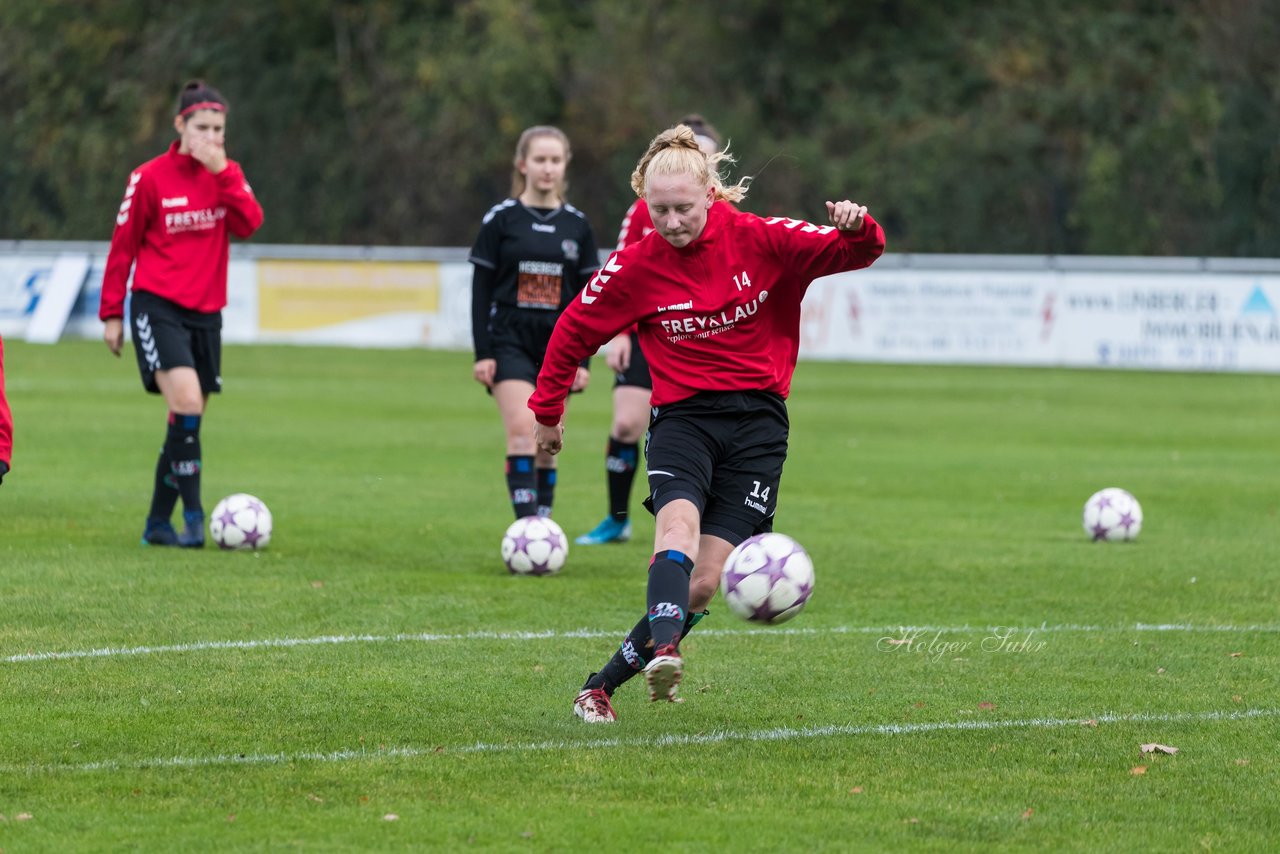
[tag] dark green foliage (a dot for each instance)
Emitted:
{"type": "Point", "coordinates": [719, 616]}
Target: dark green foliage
{"type": "Point", "coordinates": [1087, 127]}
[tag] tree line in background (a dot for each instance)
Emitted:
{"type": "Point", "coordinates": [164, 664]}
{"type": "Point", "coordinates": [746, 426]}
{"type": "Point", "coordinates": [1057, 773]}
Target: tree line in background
{"type": "Point", "coordinates": [1090, 126]}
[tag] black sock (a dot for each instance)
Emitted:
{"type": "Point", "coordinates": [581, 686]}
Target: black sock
{"type": "Point", "coordinates": [164, 495]}
{"type": "Point", "coordinates": [546, 491]}
{"type": "Point", "coordinates": [620, 463]}
{"type": "Point", "coordinates": [522, 484]}
{"type": "Point", "coordinates": [668, 596]}
{"type": "Point", "coordinates": [183, 448]}
{"type": "Point", "coordinates": [636, 651]}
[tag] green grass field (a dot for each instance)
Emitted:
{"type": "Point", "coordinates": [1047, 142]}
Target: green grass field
{"type": "Point", "coordinates": [376, 680]}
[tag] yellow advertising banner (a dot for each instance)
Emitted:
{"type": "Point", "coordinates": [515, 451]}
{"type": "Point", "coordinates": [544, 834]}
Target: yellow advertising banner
{"type": "Point", "coordinates": [295, 296]}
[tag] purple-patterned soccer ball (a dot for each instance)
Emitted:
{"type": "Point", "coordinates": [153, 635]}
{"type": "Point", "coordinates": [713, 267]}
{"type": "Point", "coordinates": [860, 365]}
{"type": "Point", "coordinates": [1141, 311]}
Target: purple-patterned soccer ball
{"type": "Point", "coordinates": [1112, 514]}
{"type": "Point", "coordinates": [534, 545]}
{"type": "Point", "coordinates": [768, 578]}
{"type": "Point", "coordinates": [240, 521]}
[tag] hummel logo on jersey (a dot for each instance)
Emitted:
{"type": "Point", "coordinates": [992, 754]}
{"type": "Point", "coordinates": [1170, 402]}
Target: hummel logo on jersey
{"type": "Point", "coordinates": [544, 228]}
{"type": "Point", "coordinates": [599, 280]}
{"type": "Point", "coordinates": [680, 306]}
{"type": "Point", "coordinates": [175, 202]}
{"type": "Point", "coordinates": [123, 216]}
{"type": "Point", "coordinates": [809, 228]}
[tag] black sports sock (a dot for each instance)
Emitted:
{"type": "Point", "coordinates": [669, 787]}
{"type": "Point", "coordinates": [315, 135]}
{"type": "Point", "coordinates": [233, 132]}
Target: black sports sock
{"type": "Point", "coordinates": [620, 463]}
{"type": "Point", "coordinates": [522, 485]}
{"type": "Point", "coordinates": [630, 659]}
{"type": "Point", "coordinates": [546, 491]}
{"type": "Point", "coordinates": [668, 596]}
{"type": "Point", "coordinates": [164, 494]}
{"type": "Point", "coordinates": [183, 448]}
{"type": "Point", "coordinates": [636, 651]}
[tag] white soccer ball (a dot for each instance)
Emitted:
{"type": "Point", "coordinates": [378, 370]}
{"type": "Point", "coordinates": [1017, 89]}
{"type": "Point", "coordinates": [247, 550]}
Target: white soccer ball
{"type": "Point", "coordinates": [768, 578]}
{"type": "Point", "coordinates": [1112, 514]}
{"type": "Point", "coordinates": [240, 521]}
{"type": "Point", "coordinates": [534, 545]}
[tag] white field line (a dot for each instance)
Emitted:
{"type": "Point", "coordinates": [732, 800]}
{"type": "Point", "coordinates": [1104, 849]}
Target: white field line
{"type": "Point", "coordinates": [714, 737]}
{"type": "Point", "coordinates": [886, 631]}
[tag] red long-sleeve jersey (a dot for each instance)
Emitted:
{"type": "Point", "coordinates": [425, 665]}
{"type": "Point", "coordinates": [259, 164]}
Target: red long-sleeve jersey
{"type": "Point", "coordinates": [6, 417]}
{"type": "Point", "coordinates": [636, 224]}
{"type": "Point", "coordinates": [173, 222]}
{"type": "Point", "coordinates": [721, 314]}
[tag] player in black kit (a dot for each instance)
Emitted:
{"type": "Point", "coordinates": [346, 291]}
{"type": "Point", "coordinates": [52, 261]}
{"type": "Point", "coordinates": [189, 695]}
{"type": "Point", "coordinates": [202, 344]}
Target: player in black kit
{"type": "Point", "coordinates": [534, 253]}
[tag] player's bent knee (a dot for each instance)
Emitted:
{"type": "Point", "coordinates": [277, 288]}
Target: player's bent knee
{"type": "Point", "coordinates": [702, 590]}
{"type": "Point", "coordinates": [630, 433]}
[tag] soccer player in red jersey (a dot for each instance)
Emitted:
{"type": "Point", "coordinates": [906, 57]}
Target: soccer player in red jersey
{"type": "Point", "coordinates": [532, 256]}
{"type": "Point", "coordinates": [6, 423]}
{"type": "Point", "coordinates": [171, 231]}
{"type": "Point", "coordinates": [632, 384]}
{"type": "Point", "coordinates": [716, 295]}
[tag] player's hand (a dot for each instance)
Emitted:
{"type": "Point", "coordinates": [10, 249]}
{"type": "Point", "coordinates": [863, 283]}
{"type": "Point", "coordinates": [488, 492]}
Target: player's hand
{"type": "Point", "coordinates": [484, 370]}
{"type": "Point", "coordinates": [618, 356]}
{"type": "Point", "coordinates": [113, 334]}
{"type": "Point", "coordinates": [846, 215]}
{"type": "Point", "coordinates": [548, 439]}
{"type": "Point", "coordinates": [580, 379]}
{"type": "Point", "coordinates": [212, 154]}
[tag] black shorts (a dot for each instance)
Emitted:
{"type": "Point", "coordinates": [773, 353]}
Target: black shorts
{"type": "Point", "coordinates": [637, 373]}
{"type": "Point", "coordinates": [166, 335]}
{"type": "Point", "coordinates": [519, 346]}
{"type": "Point", "coordinates": [724, 452]}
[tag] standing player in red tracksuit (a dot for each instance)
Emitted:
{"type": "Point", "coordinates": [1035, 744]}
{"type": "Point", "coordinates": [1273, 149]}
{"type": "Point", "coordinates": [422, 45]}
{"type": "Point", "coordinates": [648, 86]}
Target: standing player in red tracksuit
{"type": "Point", "coordinates": [716, 294]}
{"type": "Point", "coordinates": [632, 383]}
{"type": "Point", "coordinates": [172, 231]}
{"type": "Point", "coordinates": [6, 423]}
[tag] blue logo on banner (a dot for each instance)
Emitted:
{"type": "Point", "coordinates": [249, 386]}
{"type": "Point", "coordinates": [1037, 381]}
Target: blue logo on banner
{"type": "Point", "coordinates": [1257, 303]}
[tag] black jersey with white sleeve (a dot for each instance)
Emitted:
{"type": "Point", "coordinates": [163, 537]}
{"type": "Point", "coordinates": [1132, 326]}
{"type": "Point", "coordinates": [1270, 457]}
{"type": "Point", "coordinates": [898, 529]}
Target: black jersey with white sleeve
{"type": "Point", "coordinates": [530, 263]}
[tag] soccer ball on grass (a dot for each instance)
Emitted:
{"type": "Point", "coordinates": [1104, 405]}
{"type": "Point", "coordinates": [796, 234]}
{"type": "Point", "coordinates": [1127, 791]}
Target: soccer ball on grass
{"type": "Point", "coordinates": [1112, 514]}
{"type": "Point", "coordinates": [534, 545]}
{"type": "Point", "coordinates": [240, 521]}
{"type": "Point", "coordinates": [768, 578]}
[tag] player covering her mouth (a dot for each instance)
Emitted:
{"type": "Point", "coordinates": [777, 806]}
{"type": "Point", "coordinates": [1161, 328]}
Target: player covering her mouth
{"type": "Point", "coordinates": [172, 231]}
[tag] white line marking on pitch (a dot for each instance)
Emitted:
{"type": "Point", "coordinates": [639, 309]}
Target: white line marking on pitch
{"type": "Point", "coordinates": [118, 652]}
{"type": "Point", "coordinates": [268, 643]}
{"type": "Point", "coordinates": [717, 737]}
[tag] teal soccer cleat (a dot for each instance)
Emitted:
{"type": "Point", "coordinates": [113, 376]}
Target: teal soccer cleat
{"type": "Point", "coordinates": [608, 531]}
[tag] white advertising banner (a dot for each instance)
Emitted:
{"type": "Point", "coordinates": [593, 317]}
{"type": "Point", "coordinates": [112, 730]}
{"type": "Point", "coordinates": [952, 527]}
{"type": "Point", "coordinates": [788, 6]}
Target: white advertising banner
{"type": "Point", "coordinates": [1175, 321]}
{"type": "Point", "coordinates": [24, 278]}
{"type": "Point", "coordinates": [1168, 321]}
{"type": "Point", "coordinates": [1146, 313]}
{"type": "Point", "coordinates": [926, 316]}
